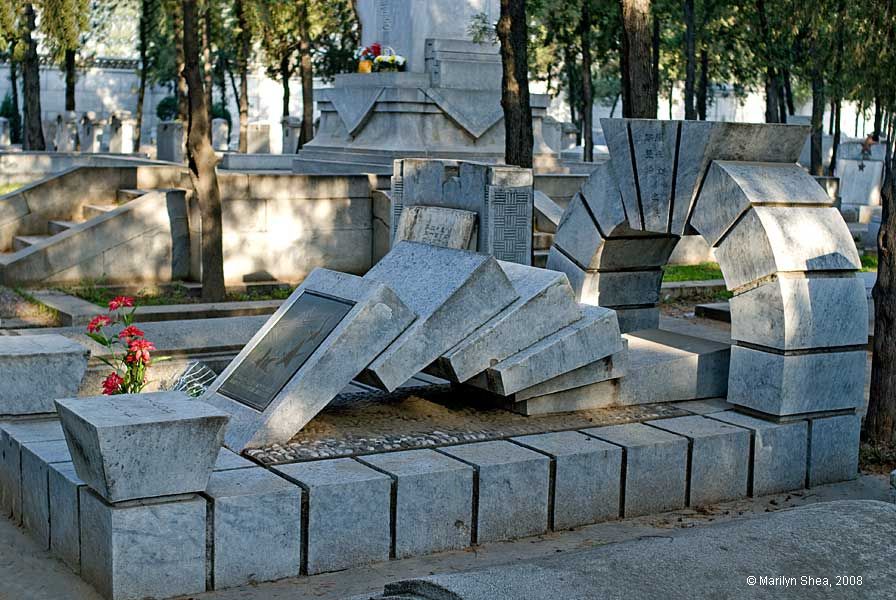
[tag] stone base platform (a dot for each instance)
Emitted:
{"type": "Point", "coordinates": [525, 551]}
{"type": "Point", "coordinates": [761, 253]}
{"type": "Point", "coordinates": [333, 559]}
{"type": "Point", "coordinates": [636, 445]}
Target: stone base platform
{"type": "Point", "coordinates": [526, 476]}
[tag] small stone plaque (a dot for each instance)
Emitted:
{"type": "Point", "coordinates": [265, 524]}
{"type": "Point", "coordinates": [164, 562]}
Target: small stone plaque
{"type": "Point", "coordinates": [436, 226]}
{"type": "Point", "coordinates": [278, 356]}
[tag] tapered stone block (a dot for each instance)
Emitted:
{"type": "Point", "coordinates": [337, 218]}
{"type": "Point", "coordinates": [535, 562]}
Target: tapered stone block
{"type": "Point", "coordinates": [587, 477]}
{"type": "Point", "coordinates": [433, 500]}
{"type": "Point", "coordinates": [255, 523]}
{"type": "Point", "coordinates": [36, 460]}
{"type": "Point", "coordinates": [228, 460]}
{"type": "Point", "coordinates": [65, 514]}
{"type": "Point", "coordinates": [109, 436]}
{"type": "Point", "coordinates": [348, 521]}
{"type": "Point", "coordinates": [719, 458]}
{"type": "Point", "coordinates": [833, 449]}
{"type": "Point", "coordinates": [513, 487]}
{"type": "Point", "coordinates": [778, 384]}
{"type": "Point", "coordinates": [144, 548]}
{"type": "Point", "coordinates": [453, 292]}
{"type": "Point", "coordinates": [656, 465]}
{"type": "Point", "coordinates": [779, 452]}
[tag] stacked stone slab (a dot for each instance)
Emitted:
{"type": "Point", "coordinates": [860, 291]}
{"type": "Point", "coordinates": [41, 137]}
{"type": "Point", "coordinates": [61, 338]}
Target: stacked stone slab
{"type": "Point", "coordinates": [798, 313]}
{"type": "Point", "coordinates": [501, 196]}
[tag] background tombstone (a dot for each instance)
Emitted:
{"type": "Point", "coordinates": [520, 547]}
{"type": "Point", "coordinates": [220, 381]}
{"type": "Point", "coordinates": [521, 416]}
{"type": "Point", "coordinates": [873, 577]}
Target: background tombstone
{"type": "Point", "coordinates": [292, 130]}
{"type": "Point", "coordinates": [170, 141]}
{"type": "Point", "coordinates": [91, 132]}
{"type": "Point", "coordinates": [322, 336]}
{"type": "Point", "coordinates": [259, 138]}
{"type": "Point", "coordinates": [67, 132]}
{"type": "Point", "coordinates": [4, 132]}
{"type": "Point", "coordinates": [220, 135]}
{"type": "Point", "coordinates": [121, 134]}
{"type": "Point", "coordinates": [502, 197]}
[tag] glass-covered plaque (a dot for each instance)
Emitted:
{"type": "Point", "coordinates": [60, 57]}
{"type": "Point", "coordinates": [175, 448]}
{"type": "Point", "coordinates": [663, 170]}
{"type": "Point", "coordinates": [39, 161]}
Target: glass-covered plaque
{"type": "Point", "coordinates": [279, 355]}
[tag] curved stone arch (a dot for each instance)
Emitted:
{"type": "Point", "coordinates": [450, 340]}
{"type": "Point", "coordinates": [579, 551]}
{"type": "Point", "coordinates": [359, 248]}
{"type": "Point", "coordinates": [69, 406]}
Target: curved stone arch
{"type": "Point", "coordinates": [799, 313]}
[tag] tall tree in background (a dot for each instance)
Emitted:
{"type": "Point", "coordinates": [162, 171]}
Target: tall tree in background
{"type": "Point", "coordinates": [306, 72]}
{"type": "Point", "coordinates": [690, 108]}
{"type": "Point", "coordinates": [148, 13]}
{"type": "Point", "coordinates": [513, 34]}
{"type": "Point", "coordinates": [33, 135]}
{"type": "Point", "coordinates": [63, 22]}
{"type": "Point", "coordinates": [585, 24]}
{"type": "Point", "coordinates": [202, 161]}
{"type": "Point", "coordinates": [243, 50]}
{"type": "Point", "coordinates": [180, 85]}
{"type": "Point", "coordinates": [639, 91]}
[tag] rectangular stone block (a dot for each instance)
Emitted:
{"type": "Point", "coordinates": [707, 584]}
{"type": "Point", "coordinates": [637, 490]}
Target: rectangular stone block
{"type": "Point", "coordinates": [453, 292]}
{"type": "Point", "coordinates": [719, 458]}
{"type": "Point", "coordinates": [778, 455]}
{"type": "Point", "coordinates": [796, 313]}
{"type": "Point", "coordinates": [36, 459]}
{"type": "Point", "coordinates": [776, 384]}
{"type": "Point", "coordinates": [587, 477]}
{"type": "Point", "coordinates": [438, 226]}
{"type": "Point", "coordinates": [255, 524]}
{"type": "Point", "coordinates": [546, 303]}
{"type": "Point", "coordinates": [109, 437]}
{"type": "Point", "coordinates": [319, 339]}
{"type": "Point", "coordinates": [610, 367]}
{"type": "Point", "coordinates": [12, 436]}
{"type": "Point", "coordinates": [25, 359]}
{"type": "Point", "coordinates": [347, 516]}
{"type": "Point", "coordinates": [655, 467]}
{"type": "Point", "coordinates": [513, 484]}
{"type": "Point", "coordinates": [594, 336]}
{"type": "Point", "coordinates": [433, 500]}
{"type": "Point", "coordinates": [833, 449]}
{"type": "Point", "coordinates": [65, 514]}
{"type": "Point", "coordinates": [144, 548]}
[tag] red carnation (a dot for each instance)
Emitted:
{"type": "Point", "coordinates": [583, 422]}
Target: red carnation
{"type": "Point", "coordinates": [376, 49]}
{"type": "Point", "coordinates": [138, 351]}
{"type": "Point", "coordinates": [120, 302]}
{"type": "Point", "coordinates": [130, 332]}
{"type": "Point", "coordinates": [112, 384]}
{"type": "Point", "coordinates": [98, 323]}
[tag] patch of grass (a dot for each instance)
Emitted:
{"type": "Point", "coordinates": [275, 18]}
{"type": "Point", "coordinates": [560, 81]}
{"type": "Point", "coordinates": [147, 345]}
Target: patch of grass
{"type": "Point", "coordinates": [51, 314]}
{"type": "Point", "coordinates": [174, 294]}
{"type": "Point", "coordinates": [869, 262]}
{"type": "Point", "coordinates": [702, 272]}
{"type": "Point", "coordinates": [877, 459]}
{"type": "Point", "coordinates": [6, 188]}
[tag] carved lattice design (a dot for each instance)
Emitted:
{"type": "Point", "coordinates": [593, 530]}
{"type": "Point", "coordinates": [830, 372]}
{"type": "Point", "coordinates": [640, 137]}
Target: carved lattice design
{"type": "Point", "coordinates": [509, 226]}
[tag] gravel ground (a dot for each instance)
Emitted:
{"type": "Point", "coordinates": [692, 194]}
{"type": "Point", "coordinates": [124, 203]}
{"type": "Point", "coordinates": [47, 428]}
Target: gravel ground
{"type": "Point", "coordinates": [17, 313]}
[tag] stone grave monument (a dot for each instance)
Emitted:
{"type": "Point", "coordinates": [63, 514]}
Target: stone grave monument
{"type": "Point", "coordinates": [91, 132]}
{"type": "Point", "coordinates": [861, 179]}
{"type": "Point", "coordinates": [66, 132]}
{"type": "Point", "coordinates": [259, 138]}
{"type": "Point", "coordinates": [220, 135]}
{"type": "Point", "coordinates": [446, 103]}
{"type": "Point", "coordinates": [292, 131]}
{"type": "Point", "coordinates": [170, 141]}
{"type": "Point", "coordinates": [4, 132]}
{"type": "Point", "coordinates": [501, 196]}
{"type": "Point", "coordinates": [121, 133]}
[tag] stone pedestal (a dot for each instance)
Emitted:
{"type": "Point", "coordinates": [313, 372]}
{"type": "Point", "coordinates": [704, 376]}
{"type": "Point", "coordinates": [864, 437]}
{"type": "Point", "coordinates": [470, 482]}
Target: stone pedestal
{"type": "Point", "coordinates": [170, 141]}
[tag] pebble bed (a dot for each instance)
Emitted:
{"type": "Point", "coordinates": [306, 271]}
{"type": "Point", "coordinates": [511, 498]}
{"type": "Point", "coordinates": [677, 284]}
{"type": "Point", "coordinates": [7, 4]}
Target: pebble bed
{"type": "Point", "coordinates": [370, 423]}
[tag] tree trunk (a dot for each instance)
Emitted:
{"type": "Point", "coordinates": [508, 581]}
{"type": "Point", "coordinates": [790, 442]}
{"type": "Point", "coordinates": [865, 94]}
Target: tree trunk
{"type": "Point", "coordinates": [818, 104]}
{"type": "Point", "coordinates": [771, 80]}
{"type": "Point", "coordinates": [655, 63]}
{"type": "Point", "coordinates": [585, 25]}
{"type": "Point", "coordinates": [703, 89]}
{"type": "Point", "coordinates": [15, 123]}
{"type": "Point", "coordinates": [306, 70]}
{"type": "Point", "coordinates": [880, 422]}
{"type": "Point", "coordinates": [638, 79]}
{"type": "Point", "coordinates": [569, 62]}
{"type": "Point", "coordinates": [143, 45]}
{"type": "Point", "coordinates": [71, 77]}
{"type": "Point", "coordinates": [33, 138]}
{"type": "Point", "coordinates": [788, 93]}
{"type": "Point", "coordinates": [836, 142]}
{"type": "Point", "coordinates": [242, 60]}
{"type": "Point", "coordinates": [180, 90]}
{"type": "Point", "coordinates": [690, 50]}
{"type": "Point", "coordinates": [878, 115]}
{"type": "Point", "coordinates": [207, 67]}
{"type": "Point", "coordinates": [285, 72]}
{"type": "Point", "coordinates": [202, 162]}
{"type": "Point", "coordinates": [514, 37]}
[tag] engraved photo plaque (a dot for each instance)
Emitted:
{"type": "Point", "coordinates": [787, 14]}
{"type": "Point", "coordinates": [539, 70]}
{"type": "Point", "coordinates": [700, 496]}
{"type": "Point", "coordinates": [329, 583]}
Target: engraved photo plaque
{"type": "Point", "coordinates": [279, 355]}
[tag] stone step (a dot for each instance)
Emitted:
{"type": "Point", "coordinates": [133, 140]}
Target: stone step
{"type": "Point", "coordinates": [540, 259]}
{"type": "Point", "coordinates": [55, 227]}
{"type": "Point", "coordinates": [92, 211]}
{"type": "Point", "coordinates": [20, 242]}
{"type": "Point", "coordinates": [126, 195]}
{"type": "Point", "coordinates": [542, 241]}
